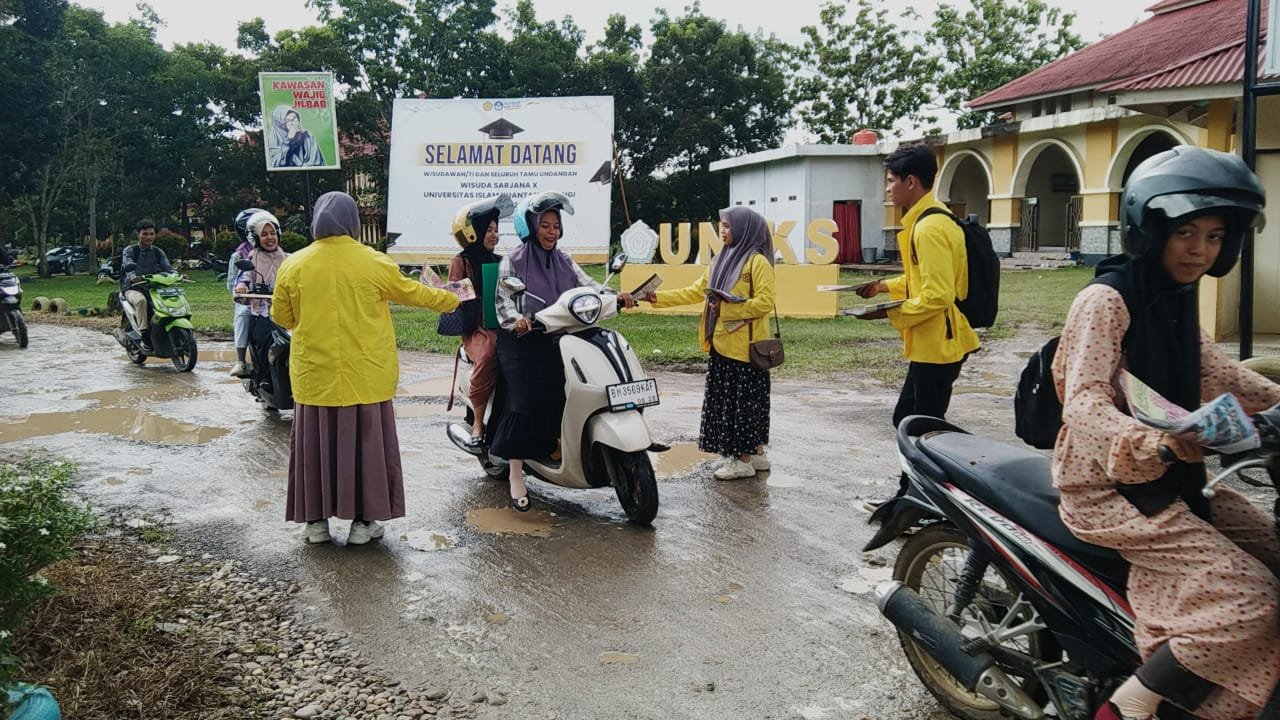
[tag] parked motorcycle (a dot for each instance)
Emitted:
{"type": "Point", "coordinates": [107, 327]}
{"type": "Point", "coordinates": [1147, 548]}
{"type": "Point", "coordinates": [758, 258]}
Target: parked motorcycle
{"type": "Point", "coordinates": [268, 378]}
{"type": "Point", "coordinates": [170, 332]}
{"type": "Point", "coordinates": [108, 271]}
{"type": "Point", "coordinates": [603, 437]}
{"type": "Point", "coordinates": [11, 319]}
{"type": "Point", "coordinates": [1000, 610]}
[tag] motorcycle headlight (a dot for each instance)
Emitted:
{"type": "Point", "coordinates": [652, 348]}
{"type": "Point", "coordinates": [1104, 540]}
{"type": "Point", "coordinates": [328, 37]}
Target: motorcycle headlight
{"type": "Point", "coordinates": [586, 308]}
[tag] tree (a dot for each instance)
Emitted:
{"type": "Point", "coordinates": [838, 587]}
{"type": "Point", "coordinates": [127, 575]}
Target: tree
{"type": "Point", "coordinates": [28, 31]}
{"type": "Point", "coordinates": [868, 73]}
{"type": "Point", "coordinates": [992, 43]}
{"type": "Point", "coordinates": [712, 94]}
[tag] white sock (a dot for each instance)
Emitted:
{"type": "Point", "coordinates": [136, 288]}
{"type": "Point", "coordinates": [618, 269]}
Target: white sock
{"type": "Point", "coordinates": [1135, 701]}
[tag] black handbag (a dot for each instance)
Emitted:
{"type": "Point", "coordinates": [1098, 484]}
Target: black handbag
{"type": "Point", "coordinates": [765, 354]}
{"type": "Point", "coordinates": [450, 323]}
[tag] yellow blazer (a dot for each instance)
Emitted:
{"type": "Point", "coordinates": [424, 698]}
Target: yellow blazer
{"type": "Point", "coordinates": [334, 296]}
{"type": "Point", "coordinates": [758, 272]}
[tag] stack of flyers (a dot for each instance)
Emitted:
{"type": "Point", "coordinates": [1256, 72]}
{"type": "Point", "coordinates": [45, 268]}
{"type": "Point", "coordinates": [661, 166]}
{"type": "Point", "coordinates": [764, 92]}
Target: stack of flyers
{"type": "Point", "coordinates": [462, 288]}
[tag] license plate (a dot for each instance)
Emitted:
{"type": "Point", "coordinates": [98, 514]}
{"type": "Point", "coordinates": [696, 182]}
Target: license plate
{"type": "Point", "coordinates": [632, 395]}
{"type": "Point", "coordinates": [170, 292]}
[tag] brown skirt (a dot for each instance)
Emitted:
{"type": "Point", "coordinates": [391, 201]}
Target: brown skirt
{"type": "Point", "coordinates": [344, 462]}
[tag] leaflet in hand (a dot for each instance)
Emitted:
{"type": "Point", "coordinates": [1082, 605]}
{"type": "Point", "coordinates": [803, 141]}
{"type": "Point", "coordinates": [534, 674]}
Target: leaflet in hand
{"type": "Point", "coordinates": [861, 310]}
{"type": "Point", "coordinates": [1221, 424]}
{"type": "Point", "coordinates": [648, 286]}
{"type": "Point", "coordinates": [848, 288]}
{"type": "Point", "coordinates": [725, 296]}
{"type": "Point", "coordinates": [462, 288]}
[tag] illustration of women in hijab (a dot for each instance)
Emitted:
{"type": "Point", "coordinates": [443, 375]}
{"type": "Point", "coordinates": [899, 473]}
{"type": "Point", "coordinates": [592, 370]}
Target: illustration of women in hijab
{"type": "Point", "coordinates": [292, 145]}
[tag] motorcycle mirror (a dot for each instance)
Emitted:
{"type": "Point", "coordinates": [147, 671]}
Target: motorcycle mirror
{"type": "Point", "coordinates": [512, 284]}
{"type": "Point", "coordinates": [244, 264]}
{"type": "Point", "coordinates": [619, 261]}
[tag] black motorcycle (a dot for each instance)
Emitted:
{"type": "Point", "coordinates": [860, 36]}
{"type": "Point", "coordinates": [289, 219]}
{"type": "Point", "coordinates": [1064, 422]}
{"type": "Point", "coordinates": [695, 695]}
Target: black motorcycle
{"type": "Point", "coordinates": [1000, 610]}
{"type": "Point", "coordinates": [268, 378]}
{"type": "Point", "coordinates": [11, 319]}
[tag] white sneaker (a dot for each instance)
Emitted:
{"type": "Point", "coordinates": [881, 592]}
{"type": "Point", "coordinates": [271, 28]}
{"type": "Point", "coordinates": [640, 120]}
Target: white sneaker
{"type": "Point", "coordinates": [363, 532]}
{"type": "Point", "coordinates": [760, 462]}
{"type": "Point", "coordinates": [239, 370]}
{"type": "Point", "coordinates": [317, 532]}
{"type": "Point", "coordinates": [735, 469]}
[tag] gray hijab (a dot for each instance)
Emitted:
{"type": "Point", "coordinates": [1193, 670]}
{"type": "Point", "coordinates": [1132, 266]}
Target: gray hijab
{"type": "Point", "coordinates": [335, 214]}
{"type": "Point", "coordinates": [750, 236]}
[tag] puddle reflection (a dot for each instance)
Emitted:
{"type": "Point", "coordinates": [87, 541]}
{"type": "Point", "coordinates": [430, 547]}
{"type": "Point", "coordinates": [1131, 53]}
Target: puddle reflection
{"type": "Point", "coordinates": [133, 424]}
{"type": "Point", "coordinates": [507, 521]}
{"type": "Point", "coordinates": [680, 459]}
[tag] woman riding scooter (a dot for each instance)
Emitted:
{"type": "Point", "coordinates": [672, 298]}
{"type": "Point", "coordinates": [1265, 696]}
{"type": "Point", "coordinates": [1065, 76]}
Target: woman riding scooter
{"type": "Point", "coordinates": [530, 361]}
{"type": "Point", "coordinates": [1202, 579]}
{"type": "Point", "coordinates": [240, 309]}
{"type": "Point", "coordinates": [266, 256]}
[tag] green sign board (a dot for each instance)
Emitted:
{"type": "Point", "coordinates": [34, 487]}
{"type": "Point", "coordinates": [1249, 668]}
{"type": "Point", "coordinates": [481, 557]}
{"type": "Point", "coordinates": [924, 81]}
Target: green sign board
{"type": "Point", "coordinates": [299, 121]}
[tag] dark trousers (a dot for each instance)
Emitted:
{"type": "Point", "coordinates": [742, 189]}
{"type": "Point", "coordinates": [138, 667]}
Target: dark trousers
{"type": "Point", "coordinates": [927, 390]}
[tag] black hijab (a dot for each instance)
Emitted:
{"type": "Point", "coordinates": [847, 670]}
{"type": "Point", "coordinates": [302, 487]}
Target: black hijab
{"type": "Point", "coordinates": [1162, 349]}
{"type": "Point", "coordinates": [476, 256]}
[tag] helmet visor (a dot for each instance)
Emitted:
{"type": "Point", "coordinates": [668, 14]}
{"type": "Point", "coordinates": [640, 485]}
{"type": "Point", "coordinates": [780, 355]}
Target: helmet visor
{"type": "Point", "coordinates": [543, 202]}
{"type": "Point", "coordinates": [1178, 205]}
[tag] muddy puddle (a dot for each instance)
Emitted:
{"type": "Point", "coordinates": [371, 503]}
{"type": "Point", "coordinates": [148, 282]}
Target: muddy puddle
{"type": "Point", "coordinates": [681, 459]}
{"type": "Point", "coordinates": [505, 521]}
{"type": "Point", "coordinates": [773, 479]}
{"type": "Point", "coordinates": [428, 540]}
{"type": "Point", "coordinates": [131, 424]}
{"type": "Point", "coordinates": [218, 356]}
{"type": "Point", "coordinates": [618, 658]}
{"type": "Point", "coordinates": [433, 387]}
{"type": "Point", "coordinates": [977, 390]}
{"type": "Point", "coordinates": [143, 396]}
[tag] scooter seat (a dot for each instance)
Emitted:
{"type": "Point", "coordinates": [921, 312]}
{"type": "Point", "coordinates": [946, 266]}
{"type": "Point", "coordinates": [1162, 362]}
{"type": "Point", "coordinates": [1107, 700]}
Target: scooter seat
{"type": "Point", "coordinates": [1018, 484]}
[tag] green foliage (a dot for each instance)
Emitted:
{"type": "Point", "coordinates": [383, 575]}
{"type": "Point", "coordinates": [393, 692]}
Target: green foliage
{"type": "Point", "coordinates": [292, 242]}
{"type": "Point", "coordinates": [992, 43]}
{"type": "Point", "coordinates": [173, 244]}
{"type": "Point", "coordinates": [38, 526]}
{"type": "Point", "coordinates": [867, 73]}
{"type": "Point", "coordinates": [225, 243]}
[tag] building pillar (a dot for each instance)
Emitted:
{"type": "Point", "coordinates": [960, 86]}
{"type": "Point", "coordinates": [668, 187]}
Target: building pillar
{"type": "Point", "coordinates": [1006, 210]}
{"type": "Point", "coordinates": [1220, 297]}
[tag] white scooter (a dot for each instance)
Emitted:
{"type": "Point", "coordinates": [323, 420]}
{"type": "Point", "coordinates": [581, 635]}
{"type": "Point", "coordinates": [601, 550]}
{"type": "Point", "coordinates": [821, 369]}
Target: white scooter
{"type": "Point", "coordinates": [603, 436]}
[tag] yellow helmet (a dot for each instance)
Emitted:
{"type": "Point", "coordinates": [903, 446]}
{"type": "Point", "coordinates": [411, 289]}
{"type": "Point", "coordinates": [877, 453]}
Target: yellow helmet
{"type": "Point", "coordinates": [490, 208]}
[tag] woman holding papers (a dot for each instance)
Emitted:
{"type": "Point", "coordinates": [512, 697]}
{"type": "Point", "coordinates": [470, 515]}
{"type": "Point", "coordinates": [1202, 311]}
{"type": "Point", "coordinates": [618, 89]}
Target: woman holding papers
{"type": "Point", "coordinates": [475, 227]}
{"type": "Point", "coordinates": [344, 455]}
{"type": "Point", "coordinates": [532, 370]}
{"type": "Point", "coordinates": [1202, 580]}
{"type": "Point", "coordinates": [737, 295]}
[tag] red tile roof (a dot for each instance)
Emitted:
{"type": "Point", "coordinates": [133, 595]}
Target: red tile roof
{"type": "Point", "coordinates": [1217, 67]}
{"type": "Point", "coordinates": [1175, 34]}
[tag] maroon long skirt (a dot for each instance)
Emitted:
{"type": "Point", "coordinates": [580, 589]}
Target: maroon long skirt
{"type": "Point", "coordinates": [344, 462]}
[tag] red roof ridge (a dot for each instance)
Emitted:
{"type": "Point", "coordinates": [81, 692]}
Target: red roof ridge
{"type": "Point", "coordinates": [1170, 68]}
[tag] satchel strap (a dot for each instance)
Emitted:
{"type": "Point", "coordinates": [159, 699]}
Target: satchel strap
{"type": "Point", "coordinates": [751, 289]}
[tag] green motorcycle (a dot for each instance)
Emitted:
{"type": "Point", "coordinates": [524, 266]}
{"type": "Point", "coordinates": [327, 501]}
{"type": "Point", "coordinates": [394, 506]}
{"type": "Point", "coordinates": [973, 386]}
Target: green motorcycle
{"type": "Point", "coordinates": [169, 334]}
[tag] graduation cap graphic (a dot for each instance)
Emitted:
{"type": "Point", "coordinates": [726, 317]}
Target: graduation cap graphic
{"type": "Point", "coordinates": [604, 174]}
{"type": "Point", "coordinates": [501, 129]}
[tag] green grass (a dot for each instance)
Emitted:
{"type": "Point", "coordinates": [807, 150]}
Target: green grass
{"type": "Point", "coordinates": [829, 347]}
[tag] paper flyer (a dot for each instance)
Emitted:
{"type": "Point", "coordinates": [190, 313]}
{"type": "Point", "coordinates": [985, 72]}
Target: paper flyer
{"type": "Point", "coordinates": [462, 288]}
{"type": "Point", "coordinates": [1221, 424]}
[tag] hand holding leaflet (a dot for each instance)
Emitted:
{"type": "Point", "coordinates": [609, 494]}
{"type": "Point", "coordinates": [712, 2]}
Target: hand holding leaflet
{"type": "Point", "coordinates": [462, 288]}
{"type": "Point", "coordinates": [863, 311]}
{"type": "Point", "coordinates": [725, 296]}
{"type": "Point", "coordinates": [1221, 424]}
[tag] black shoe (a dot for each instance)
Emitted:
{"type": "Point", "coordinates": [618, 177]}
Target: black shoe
{"type": "Point", "coordinates": [521, 504]}
{"type": "Point", "coordinates": [146, 348]}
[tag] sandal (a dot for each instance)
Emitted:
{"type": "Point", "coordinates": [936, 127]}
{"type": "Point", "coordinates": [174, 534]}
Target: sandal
{"type": "Point", "coordinates": [476, 441]}
{"type": "Point", "coordinates": [520, 504]}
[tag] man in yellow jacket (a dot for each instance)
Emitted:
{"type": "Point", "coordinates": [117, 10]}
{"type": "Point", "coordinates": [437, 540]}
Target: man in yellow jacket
{"type": "Point", "coordinates": [936, 336]}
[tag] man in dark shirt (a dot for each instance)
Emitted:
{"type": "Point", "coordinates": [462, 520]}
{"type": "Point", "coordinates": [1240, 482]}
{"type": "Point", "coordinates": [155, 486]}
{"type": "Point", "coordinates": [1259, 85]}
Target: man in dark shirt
{"type": "Point", "coordinates": [148, 260]}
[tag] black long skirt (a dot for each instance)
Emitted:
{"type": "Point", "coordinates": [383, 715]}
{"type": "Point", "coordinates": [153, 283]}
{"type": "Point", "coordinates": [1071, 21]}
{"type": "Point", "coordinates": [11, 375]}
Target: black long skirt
{"type": "Point", "coordinates": [735, 407]}
{"type": "Point", "coordinates": [533, 380]}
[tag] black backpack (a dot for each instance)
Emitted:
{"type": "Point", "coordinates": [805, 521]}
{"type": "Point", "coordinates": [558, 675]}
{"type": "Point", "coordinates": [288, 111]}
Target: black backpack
{"type": "Point", "coordinates": [980, 306]}
{"type": "Point", "coordinates": [1037, 411]}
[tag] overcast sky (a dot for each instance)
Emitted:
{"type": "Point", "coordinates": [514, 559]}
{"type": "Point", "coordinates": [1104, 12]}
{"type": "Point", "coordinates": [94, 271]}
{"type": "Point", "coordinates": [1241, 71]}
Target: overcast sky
{"type": "Point", "coordinates": [189, 21]}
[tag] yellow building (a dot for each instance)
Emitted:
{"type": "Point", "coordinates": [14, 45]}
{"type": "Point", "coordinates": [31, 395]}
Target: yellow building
{"type": "Point", "coordinates": [1048, 177]}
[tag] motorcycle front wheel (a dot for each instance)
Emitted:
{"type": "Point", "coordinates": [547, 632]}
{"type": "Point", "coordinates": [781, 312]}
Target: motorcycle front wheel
{"type": "Point", "coordinates": [19, 326]}
{"type": "Point", "coordinates": [631, 475]}
{"type": "Point", "coordinates": [183, 354]}
{"type": "Point", "coordinates": [931, 563]}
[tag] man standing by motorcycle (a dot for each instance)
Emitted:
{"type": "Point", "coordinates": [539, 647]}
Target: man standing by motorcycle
{"type": "Point", "coordinates": [146, 259]}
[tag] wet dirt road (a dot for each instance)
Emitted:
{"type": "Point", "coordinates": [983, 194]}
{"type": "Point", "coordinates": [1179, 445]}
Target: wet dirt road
{"type": "Point", "coordinates": [748, 599]}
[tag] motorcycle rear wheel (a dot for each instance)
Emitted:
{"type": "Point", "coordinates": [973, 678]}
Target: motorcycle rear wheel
{"type": "Point", "coordinates": [930, 563]}
{"type": "Point", "coordinates": [183, 355]}
{"type": "Point", "coordinates": [631, 475]}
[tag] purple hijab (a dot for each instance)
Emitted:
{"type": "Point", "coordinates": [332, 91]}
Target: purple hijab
{"type": "Point", "coordinates": [335, 214]}
{"type": "Point", "coordinates": [750, 236]}
{"type": "Point", "coordinates": [546, 273]}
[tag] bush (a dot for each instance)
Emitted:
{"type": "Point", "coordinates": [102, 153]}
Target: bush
{"type": "Point", "coordinates": [292, 242]}
{"type": "Point", "coordinates": [173, 244]}
{"type": "Point", "coordinates": [225, 243]}
{"type": "Point", "coordinates": [38, 524]}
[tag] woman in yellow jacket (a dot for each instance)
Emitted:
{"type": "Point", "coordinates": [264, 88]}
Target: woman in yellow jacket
{"type": "Point", "coordinates": [737, 296]}
{"type": "Point", "coordinates": [344, 456]}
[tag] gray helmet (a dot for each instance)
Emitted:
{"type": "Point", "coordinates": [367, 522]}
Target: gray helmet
{"type": "Point", "coordinates": [1185, 182]}
{"type": "Point", "coordinates": [242, 222]}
